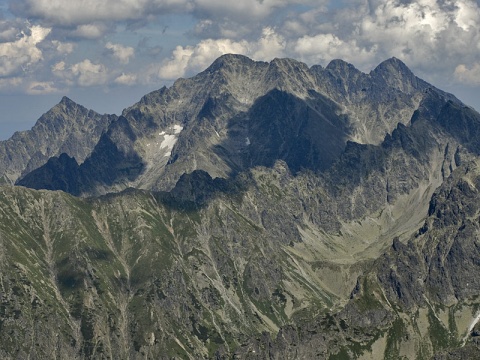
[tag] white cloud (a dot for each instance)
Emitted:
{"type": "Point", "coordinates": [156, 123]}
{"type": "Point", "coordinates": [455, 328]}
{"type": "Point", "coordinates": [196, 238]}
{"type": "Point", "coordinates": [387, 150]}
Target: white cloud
{"type": "Point", "coordinates": [468, 75]}
{"type": "Point", "coordinates": [41, 87]}
{"type": "Point", "coordinates": [467, 15]}
{"type": "Point", "coordinates": [84, 73]}
{"type": "Point", "coordinates": [8, 32]}
{"type": "Point", "coordinates": [9, 83]}
{"type": "Point", "coordinates": [126, 79]}
{"type": "Point", "coordinates": [325, 47]}
{"type": "Point", "coordinates": [235, 9]}
{"type": "Point", "coordinates": [90, 31]}
{"type": "Point", "coordinates": [20, 54]}
{"type": "Point", "coordinates": [177, 65]}
{"type": "Point", "coordinates": [63, 48]}
{"type": "Point", "coordinates": [63, 73]}
{"type": "Point", "coordinates": [89, 74]}
{"type": "Point", "coordinates": [58, 67]}
{"type": "Point", "coordinates": [120, 52]}
{"type": "Point", "coordinates": [67, 12]}
{"type": "Point", "coordinates": [429, 35]}
{"type": "Point", "coordinates": [191, 59]}
{"type": "Point", "coordinates": [269, 46]}
{"type": "Point", "coordinates": [196, 58]}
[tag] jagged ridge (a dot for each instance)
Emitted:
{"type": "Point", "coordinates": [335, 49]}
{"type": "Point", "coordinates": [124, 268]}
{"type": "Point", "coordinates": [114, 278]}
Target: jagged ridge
{"type": "Point", "coordinates": [66, 128]}
{"type": "Point", "coordinates": [239, 113]}
{"type": "Point", "coordinates": [322, 234]}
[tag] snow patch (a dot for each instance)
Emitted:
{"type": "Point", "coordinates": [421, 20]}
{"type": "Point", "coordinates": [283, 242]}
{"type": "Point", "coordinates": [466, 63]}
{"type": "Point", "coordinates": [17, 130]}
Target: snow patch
{"type": "Point", "coordinates": [161, 145]}
{"type": "Point", "coordinates": [470, 328]}
{"type": "Point", "coordinates": [168, 143]}
{"type": "Point", "coordinates": [170, 137]}
{"type": "Point", "coordinates": [177, 129]}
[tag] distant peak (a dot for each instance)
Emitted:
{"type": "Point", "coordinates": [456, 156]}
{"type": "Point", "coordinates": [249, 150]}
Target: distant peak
{"type": "Point", "coordinates": [340, 65]}
{"type": "Point", "coordinates": [285, 61]}
{"type": "Point", "coordinates": [288, 65]}
{"type": "Point", "coordinates": [234, 58]}
{"type": "Point", "coordinates": [228, 60]}
{"type": "Point", "coordinates": [394, 73]}
{"type": "Point", "coordinates": [66, 101]}
{"type": "Point", "coordinates": [393, 65]}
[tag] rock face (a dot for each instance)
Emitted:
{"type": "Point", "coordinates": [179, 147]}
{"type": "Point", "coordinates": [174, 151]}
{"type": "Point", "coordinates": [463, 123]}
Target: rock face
{"type": "Point", "coordinates": [239, 114]}
{"type": "Point", "coordinates": [66, 128]}
{"type": "Point", "coordinates": [256, 210]}
{"type": "Point", "coordinates": [410, 302]}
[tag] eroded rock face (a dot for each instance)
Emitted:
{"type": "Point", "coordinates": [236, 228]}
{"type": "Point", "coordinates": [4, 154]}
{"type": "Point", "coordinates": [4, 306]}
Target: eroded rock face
{"type": "Point", "coordinates": [276, 211]}
{"type": "Point", "coordinates": [417, 300]}
{"type": "Point", "coordinates": [239, 114]}
{"type": "Point", "coordinates": [66, 128]}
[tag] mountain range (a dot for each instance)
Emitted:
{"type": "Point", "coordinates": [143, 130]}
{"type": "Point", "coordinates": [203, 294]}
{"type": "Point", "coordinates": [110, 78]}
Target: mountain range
{"type": "Point", "coordinates": [256, 210]}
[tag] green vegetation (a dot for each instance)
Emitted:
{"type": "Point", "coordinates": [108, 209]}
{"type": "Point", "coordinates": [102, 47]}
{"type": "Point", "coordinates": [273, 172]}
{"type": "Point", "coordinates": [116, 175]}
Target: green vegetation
{"type": "Point", "coordinates": [395, 336]}
{"type": "Point", "coordinates": [440, 337]}
{"type": "Point", "coordinates": [368, 299]}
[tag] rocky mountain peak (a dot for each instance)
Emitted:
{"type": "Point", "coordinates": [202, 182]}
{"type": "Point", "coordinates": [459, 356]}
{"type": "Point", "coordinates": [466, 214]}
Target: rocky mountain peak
{"type": "Point", "coordinates": [290, 75]}
{"type": "Point", "coordinates": [66, 128]}
{"type": "Point", "coordinates": [72, 108]}
{"type": "Point", "coordinates": [339, 77]}
{"type": "Point", "coordinates": [67, 101]}
{"type": "Point", "coordinates": [341, 66]}
{"type": "Point", "coordinates": [227, 114]}
{"type": "Point", "coordinates": [229, 62]}
{"type": "Point", "coordinates": [68, 107]}
{"type": "Point", "coordinates": [394, 73]}
{"type": "Point", "coordinates": [287, 64]}
{"type": "Point", "coordinates": [393, 65]}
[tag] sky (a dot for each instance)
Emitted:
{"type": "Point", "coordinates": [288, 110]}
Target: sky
{"type": "Point", "coordinates": [107, 54]}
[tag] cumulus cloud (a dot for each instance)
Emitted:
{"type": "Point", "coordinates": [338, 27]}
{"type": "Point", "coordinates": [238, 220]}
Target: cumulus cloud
{"type": "Point", "coordinates": [324, 47]}
{"type": "Point", "coordinates": [429, 35]}
{"type": "Point", "coordinates": [84, 73]}
{"type": "Point", "coordinates": [468, 75]}
{"type": "Point", "coordinates": [58, 67]}
{"type": "Point", "coordinates": [120, 52]}
{"type": "Point", "coordinates": [41, 87]}
{"type": "Point", "coordinates": [9, 83]}
{"type": "Point", "coordinates": [270, 45]}
{"type": "Point", "coordinates": [88, 73]}
{"type": "Point", "coordinates": [126, 79]}
{"type": "Point", "coordinates": [244, 10]}
{"type": "Point", "coordinates": [196, 58]}
{"type": "Point", "coordinates": [9, 30]}
{"type": "Point", "coordinates": [89, 31]}
{"type": "Point", "coordinates": [66, 12]}
{"type": "Point", "coordinates": [18, 55]}
{"type": "Point", "coordinates": [191, 59]}
{"type": "Point", "coordinates": [63, 48]}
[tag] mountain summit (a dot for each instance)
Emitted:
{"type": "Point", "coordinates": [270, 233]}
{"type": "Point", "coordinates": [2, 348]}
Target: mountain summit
{"type": "Point", "coordinates": [66, 128]}
{"type": "Point", "coordinates": [239, 113]}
